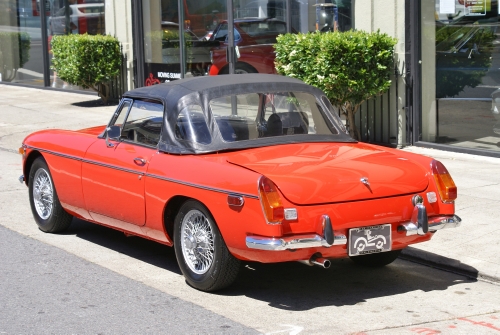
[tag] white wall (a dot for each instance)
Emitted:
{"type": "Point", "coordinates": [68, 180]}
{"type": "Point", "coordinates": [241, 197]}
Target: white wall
{"type": "Point", "coordinates": [118, 15]}
{"type": "Point", "coordinates": [428, 64]}
{"type": "Point", "coordinates": [389, 17]}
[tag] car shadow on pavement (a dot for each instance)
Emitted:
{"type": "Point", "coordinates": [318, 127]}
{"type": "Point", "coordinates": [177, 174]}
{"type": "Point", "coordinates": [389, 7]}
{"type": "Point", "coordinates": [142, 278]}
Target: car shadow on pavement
{"type": "Point", "coordinates": [297, 287]}
{"type": "Point", "coordinates": [289, 286]}
{"type": "Point", "coordinates": [148, 251]}
{"type": "Point", "coordinates": [95, 103]}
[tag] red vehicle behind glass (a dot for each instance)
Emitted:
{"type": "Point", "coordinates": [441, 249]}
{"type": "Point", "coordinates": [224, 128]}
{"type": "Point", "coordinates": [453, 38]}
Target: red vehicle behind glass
{"type": "Point", "coordinates": [255, 38]}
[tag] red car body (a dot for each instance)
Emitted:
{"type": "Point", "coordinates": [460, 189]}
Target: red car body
{"type": "Point", "coordinates": [255, 46]}
{"type": "Point", "coordinates": [337, 185]}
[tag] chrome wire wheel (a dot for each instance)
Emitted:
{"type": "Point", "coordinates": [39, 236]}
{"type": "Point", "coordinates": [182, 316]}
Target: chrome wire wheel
{"type": "Point", "coordinates": [43, 194]}
{"type": "Point", "coordinates": [197, 241]}
{"type": "Point", "coordinates": [240, 71]}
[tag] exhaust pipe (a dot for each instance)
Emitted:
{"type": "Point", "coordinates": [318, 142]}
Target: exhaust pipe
{"type": "Point", "coordinates": [320, 261]}
{"type": "Point", "coordinates": [317, 260]}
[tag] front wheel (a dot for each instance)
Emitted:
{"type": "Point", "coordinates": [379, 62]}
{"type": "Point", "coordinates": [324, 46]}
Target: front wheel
{"type": "Point", "coordinates": [377, 260]}
{"type": "Point", "coordinates": [45, 206]}
{"type": "Point", "coordinates": [203, 257]}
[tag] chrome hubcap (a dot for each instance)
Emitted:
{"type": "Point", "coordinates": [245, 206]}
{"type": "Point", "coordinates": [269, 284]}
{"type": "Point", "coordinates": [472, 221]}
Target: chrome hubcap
{"type": "Point", "coordinates": [197, 241]}
{"type": "Point", "coordinates": [43, 194]}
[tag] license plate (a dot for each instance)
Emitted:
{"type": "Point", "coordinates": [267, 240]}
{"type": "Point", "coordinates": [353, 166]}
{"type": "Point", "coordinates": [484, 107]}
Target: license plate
{"type": "Point", "coordinates": [369, 240]}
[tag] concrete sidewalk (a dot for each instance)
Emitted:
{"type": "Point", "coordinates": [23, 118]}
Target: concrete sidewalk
{"type": "Point", "coordinates": [474, 247]}
{"type": "Point", "coordinates": [471, 249]}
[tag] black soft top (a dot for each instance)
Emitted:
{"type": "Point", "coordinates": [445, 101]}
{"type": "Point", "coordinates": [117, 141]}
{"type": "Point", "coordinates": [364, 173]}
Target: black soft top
{"type": "Point", "coordinates": [178, 94]}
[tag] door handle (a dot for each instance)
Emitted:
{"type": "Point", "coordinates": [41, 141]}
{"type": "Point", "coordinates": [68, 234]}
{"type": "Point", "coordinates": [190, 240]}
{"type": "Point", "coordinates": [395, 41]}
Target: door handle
{"type": "Point", "coordinates": [139, 161]}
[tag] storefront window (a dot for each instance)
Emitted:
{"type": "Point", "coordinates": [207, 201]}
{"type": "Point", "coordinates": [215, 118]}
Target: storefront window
{"type": "Point", "coordinates": [66, 17]}
{"type": "Point", "coordinates": [20, 42]}
{"type": "Point", "coordinates": [162, 42]}
{"type": "Point", "coordinates": [461, 73]}
{"type": "Point", "coordinates": [21, 47]}
{"type": "Point", "coordinates": [257, 23]}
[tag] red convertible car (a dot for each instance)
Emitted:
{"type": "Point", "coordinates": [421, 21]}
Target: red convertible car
{"type": "Point", "coordinates": [234, 168]}
{"type": "Point", "coordinates": [254, 38]}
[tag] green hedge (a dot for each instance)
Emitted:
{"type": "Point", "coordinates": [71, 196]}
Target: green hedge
{"type": "Point", "coordinates": [14, 53]}
{"type": "Point", "coordinates": [350, 67]}
{"type": "Point", "coordinates": [86, 60]}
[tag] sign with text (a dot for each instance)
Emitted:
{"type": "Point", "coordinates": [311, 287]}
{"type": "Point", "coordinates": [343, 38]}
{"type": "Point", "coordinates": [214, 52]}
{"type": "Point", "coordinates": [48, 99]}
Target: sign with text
{"type": "Point", "coordinates": [477, 7]}
{"type": "Point", "coordinates": [157, 73]}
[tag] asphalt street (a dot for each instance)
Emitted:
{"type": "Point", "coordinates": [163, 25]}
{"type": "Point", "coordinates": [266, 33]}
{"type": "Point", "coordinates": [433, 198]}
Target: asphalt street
{"type": "Point", "coordinates": [46, 290]}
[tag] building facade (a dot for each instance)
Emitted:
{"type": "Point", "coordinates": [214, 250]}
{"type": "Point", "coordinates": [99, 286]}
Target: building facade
{"type": "Point", "coordinates": [446, 78]}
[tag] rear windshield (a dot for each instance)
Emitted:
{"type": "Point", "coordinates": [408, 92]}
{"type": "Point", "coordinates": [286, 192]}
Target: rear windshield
{"type": "Point", "coordinates": [258, 115]}
{"type": "Point", "coordinates": [263, 28]}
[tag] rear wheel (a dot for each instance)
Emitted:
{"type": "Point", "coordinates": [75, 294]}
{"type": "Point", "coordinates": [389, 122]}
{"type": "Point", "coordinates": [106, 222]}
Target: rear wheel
{"type": "Point", "coordinates": [377, 260]}
{"type": "Point", "coordinates": [203, 257]}
{"type": "Point", "coordinates": [45, 206]}
{"type": "Point", "coordinates": [241, 68]}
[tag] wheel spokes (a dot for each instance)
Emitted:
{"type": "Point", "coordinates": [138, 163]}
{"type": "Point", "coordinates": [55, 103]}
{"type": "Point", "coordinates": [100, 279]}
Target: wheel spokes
{"type": "Point", "coordinates": [43, 194]}
{"type": "Point", "coordinates": [198, 241]}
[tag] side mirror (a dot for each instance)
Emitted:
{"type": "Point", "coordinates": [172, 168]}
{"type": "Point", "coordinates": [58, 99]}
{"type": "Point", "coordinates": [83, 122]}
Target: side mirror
{"type": "Point", "coordinates": [113, 133]}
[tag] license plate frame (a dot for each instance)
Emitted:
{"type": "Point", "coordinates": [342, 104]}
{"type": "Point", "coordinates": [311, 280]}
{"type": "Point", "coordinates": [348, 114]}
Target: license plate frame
{"type": "Point", "coordinates": [369, 240]}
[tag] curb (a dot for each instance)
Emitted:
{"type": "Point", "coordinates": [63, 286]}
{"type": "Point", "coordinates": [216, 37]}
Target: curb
{"type": "Point", "coordinates": [444, 263]}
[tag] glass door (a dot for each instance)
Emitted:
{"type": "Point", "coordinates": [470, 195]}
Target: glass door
{"type": "Point", "coordinates": [460, 65]}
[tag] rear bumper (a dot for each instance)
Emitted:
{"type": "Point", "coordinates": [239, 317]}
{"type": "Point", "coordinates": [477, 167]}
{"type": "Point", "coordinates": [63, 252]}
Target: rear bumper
{"type": "Point", "coordinates": [292, 242]}
{"type": "Point", "coordinates": [314, 240]}
{"type": "Point", "coordinates": [435, 224]}
{"type": "Point", "coordinates": [299, 241]}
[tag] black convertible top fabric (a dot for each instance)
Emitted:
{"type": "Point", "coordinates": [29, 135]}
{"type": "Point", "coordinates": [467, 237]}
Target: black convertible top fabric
{"type": "Point", "coordinates": [178, 94]}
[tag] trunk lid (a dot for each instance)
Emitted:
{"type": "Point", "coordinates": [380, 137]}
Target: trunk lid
{"type": "Point", "coordinates": [317, 173]}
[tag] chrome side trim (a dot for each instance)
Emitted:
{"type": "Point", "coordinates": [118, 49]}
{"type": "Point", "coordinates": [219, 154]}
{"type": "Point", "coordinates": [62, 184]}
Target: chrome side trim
{"type": "Point", "coordinates": [54, 153]}
{"type": "Point", "coordinates": [250, 196]}
{"type": "Point", "coordinates": [292, 242]}
{"type": "Point", "coordinates": [114, 167]}
{"type": "Point", "coordinates": [435, 224]}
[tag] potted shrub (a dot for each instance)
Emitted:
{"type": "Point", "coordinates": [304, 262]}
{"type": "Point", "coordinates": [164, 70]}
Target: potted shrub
{"type": "Point", "coordinates": [86, 60]}
{"type": "Point", "coordinates": [350, 67]}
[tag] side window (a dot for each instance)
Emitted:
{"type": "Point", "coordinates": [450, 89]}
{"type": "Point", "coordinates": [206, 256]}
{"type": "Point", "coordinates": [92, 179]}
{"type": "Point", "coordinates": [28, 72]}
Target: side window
{"type": "Point", "coordinates": [221, 33]}
{"type": "Point", "coordinates": [120, 115]}
{"type": "Point", "coordinates": [143, 123]}
{"type": "Point", "coordinates": [191, 125]}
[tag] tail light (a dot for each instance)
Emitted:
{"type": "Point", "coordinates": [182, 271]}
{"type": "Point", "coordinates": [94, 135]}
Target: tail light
{"type": "Point", "coordinates": [271, 201]}
{"type": "Point", "coordinates": [445, 184]}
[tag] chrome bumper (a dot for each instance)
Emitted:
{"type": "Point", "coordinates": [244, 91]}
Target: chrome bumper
{"type": "Point", "coordinates": [435, 224]}
{"type": "Point", "coordinates": [21, 179]}
{"type": "Point", "coordinates": [292, 242]}
{"type": "Point", "coordinates": [328, 239]}
{"type": "Point", "coordinates": [420, 224]}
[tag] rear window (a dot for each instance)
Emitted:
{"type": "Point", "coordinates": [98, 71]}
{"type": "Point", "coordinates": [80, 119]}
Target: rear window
{"type": "Point", "coordinates": [93, 9]}
{"type": "Point", "coordinates": [263, 28]}
{"type": "Point", "coordinates": [259, 115]}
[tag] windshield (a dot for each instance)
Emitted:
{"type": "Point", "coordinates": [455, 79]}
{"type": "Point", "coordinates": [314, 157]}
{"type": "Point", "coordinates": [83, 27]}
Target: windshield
{"type": "Point", "coordinates": [258, 115]}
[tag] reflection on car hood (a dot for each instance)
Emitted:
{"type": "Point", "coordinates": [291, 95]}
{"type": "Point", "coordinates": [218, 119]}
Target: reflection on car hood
{"type": "Point", "coordinates": [315, 173]}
